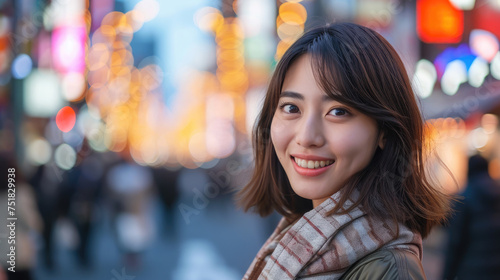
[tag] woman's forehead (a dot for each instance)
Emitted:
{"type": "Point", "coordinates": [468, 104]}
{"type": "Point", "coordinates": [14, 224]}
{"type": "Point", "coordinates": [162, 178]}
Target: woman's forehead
{"type": "Point", "coordinates": [305, 74]}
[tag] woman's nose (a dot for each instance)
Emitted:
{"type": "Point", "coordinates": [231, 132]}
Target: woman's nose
{"type": "Point", "coordinates": [310, 132]}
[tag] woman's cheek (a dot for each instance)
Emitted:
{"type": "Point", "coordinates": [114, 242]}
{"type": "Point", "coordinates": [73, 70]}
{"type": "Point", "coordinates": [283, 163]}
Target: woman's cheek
{"type": "Point", "coordinates": [342, 140]}
{"type": "Point", "coordinates": [277, 126]}
{"type": "Point", "coordinates": [277, 129]}
{"type": "Point", "coordinates": [349, 143]}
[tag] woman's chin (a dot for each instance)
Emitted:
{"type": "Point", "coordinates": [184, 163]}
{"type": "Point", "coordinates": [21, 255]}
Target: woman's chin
{"type": "Point", "coordinates": [308, 194]}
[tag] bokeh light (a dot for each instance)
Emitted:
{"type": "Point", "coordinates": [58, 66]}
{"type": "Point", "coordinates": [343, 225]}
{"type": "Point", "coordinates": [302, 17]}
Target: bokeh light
{"type": "Point", "coordinates": [257, 18]}
{"type": "Point", "coordinates": [494, 169]}
{"type": "Point", "coordinates": [98, 56]}
{"type": "Point", "coordinates": [65, 157]}
{"type": "Point", "coordinates": [489, 123]}
{"type": "Point", "coordinates": [96, 137]}
{"type": "Point", "coordinates": [197, 147]}
{"type": "Point", "coordinates": [438, 21]}
{"type": "Point", "coordinates": [65, 119]}
{"type": "Point", "coordinates": [73, 86]}
{"type": "Point", "coordinates": [68, 48]}
{"type": "Point", "coordinates": [21, 66]}
{"type": "Point", "coordinates": [478, 138]}
{"type": "Point", "coordinates": [39, 151]}
{"type": "Point", "coordinates": [495, 66]}
{"type": "Point", "coordinates": [106, 34]}
{"type": "Point", "coordinates": [289, 25]}
{"type": "Point", "coordinates": [454, 75]}
{"type": "Point", "coordinates": [150, 152]}
{"type": "Point", "coordinates": [478, 72]}
{"type": "Point", "coordinates": [494, 4]}
{"type": "Point", "coordinates": [289, 32]}
{"type": "Point", "coordinates": [463, 4]}
{"type": "Point", "coordinates": [4, 45]}
{"type": "Point", "coordinates": [484, 44]}
{"type": "Point", "coordinates": [42, 93]}
{"type": "Point", "coordinates": [461, 52]}
{"type": "Point", "coordinates": [424, 78]}
{"type": "Point", "coordinates": [220, 138]}
{"type": "Point", "coordinates": [135, 19]}
{"type": "Point", "coordinates": [208, 19]}
{"type": "Point", "coordinates": [147, 9]}
{"type": "Point", "coordinates": [293, 13]}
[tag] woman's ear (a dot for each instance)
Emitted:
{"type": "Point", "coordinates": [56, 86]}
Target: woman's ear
{"type": "Point", "coordinates": [381, 140]}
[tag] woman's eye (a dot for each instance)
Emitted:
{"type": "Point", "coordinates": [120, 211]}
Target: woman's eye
{"type": "Point", "coordinates": [338, 112]}
{"type": "Point", "coordinates": [291, 109]}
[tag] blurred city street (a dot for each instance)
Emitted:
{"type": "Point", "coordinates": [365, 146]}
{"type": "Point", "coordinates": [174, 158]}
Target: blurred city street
{"type": "Point", "coordinates": [218, 243]}
{"type": "Point", "coordinates": [128, 127]}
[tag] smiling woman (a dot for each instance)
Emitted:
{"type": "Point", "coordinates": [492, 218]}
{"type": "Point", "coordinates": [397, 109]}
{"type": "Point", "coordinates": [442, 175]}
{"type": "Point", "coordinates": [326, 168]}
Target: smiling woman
{"type": "Point", "coordinates": [338, 152]}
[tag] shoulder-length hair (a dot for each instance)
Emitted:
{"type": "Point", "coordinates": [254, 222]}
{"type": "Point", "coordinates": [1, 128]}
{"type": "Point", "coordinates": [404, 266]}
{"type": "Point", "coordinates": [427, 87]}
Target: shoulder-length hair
{"type": "Point", "coordinates": [357, 67]}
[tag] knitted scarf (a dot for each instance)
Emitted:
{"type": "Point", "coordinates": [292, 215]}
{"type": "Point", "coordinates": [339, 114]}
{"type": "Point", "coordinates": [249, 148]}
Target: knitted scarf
{"type": "Point", "coordinates": [326, 246]}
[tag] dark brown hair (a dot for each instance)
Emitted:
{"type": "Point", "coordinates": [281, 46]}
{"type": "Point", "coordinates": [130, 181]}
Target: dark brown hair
{"type": "Point", "coordinates": [357, 67]}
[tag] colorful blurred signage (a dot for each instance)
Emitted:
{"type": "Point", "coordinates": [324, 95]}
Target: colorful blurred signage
{"type": "Point", "coordinates": [68, 49]}
{"type": "Point", "coordinates": [438, 21]}
{"type": "Point", "coordinates": [42, 93]}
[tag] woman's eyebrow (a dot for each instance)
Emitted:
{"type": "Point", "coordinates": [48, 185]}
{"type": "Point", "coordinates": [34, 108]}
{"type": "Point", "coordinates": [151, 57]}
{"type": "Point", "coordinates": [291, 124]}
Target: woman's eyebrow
{"type": "Point", "coordinates": [292, 94]}
{"type": "Point", "coordinates": [296, 95]}
{"type": "Point", "coordinates": [327, 98]}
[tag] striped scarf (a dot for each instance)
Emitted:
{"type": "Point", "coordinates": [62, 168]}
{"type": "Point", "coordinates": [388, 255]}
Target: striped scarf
{"type": "Point", "coordinates": [326, 246]}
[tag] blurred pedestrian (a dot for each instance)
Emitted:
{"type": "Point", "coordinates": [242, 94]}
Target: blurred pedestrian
{"type": "Point", "coordinates": [46, 182]}
{"type": "Point", "coordinates": [166, 181]}
{"type": "Point", "coordinates": [473, 250]}
{"type": "Point", "coordinates": [81, 186]}
{"type": "Point", "coordinates": [130, 193]}
{"type": "Point", "coordinates": [20, 197]}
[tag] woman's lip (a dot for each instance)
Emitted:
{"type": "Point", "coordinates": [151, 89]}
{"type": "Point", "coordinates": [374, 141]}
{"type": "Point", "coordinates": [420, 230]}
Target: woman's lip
{"type": "Point", "coordinates": [309, 172]}
{"type": "Point", "coordinates": [311, 157]}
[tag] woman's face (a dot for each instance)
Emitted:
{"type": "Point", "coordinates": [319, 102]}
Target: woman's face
{"type": "Point", "coordinates": [320, 142]}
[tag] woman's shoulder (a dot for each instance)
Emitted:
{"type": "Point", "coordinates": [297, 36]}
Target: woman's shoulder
{"type": "Point", "coordinates": [387, 264]}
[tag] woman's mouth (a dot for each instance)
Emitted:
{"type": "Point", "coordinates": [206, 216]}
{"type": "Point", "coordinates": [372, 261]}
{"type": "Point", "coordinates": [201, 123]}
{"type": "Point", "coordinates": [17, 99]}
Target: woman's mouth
{"type": "Point", "coordinates": [311, 167]}
{"type": "Point", "coordinates": [312, 164]}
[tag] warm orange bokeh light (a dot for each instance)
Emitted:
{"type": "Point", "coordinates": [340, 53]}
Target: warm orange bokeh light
{"type": "Point", "coordinates": [98, 56]}
{"type": "Point", "coordinates": [289, 25]}
{"type": "Point", "coordinates": [281, 49]}
{"type": "Point", "coordinates": [293, 13]}
{"type": "Point", "coordinates": [209, 19]}
{"type": "Point", "coordinates": [112, 19]}
{"type": "Point", "coordinates": [289, 32]}
{"type": "Point", "coordinates": [105, 34]}
{"type": "Point", "coordinates": [438, 21]}
{"type": "Point", "coordinates": [65, 119]}
{"type": "Point", "coordinates": [494, 169]}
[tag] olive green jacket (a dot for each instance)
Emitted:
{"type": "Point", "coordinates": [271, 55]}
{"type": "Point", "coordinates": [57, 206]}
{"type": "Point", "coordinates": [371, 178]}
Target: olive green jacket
{"type": "Point", "coordinates": [386, 264]}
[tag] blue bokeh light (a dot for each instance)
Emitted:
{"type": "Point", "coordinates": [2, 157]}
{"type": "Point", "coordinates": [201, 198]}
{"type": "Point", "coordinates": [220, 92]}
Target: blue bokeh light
{"type": "Point", "coordinates": [22, 66]}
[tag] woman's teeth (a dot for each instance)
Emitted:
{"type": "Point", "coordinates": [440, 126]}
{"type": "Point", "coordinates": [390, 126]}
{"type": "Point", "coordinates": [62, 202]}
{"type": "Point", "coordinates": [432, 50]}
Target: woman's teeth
{"type": "Point", "coordinates": [312, 164]}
